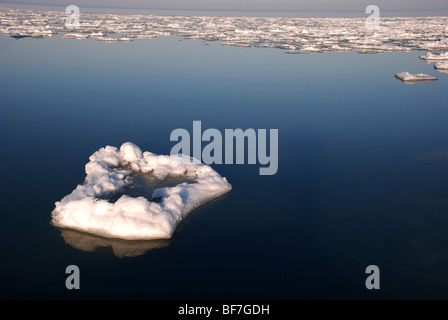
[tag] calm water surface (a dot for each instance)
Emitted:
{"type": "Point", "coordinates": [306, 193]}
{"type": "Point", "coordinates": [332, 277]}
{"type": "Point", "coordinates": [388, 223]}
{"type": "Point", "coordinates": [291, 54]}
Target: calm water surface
{"type": "Point", "coordinates": [363, 166]}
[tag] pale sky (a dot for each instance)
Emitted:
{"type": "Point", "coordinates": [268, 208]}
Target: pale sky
{"type": "Point", "coordinates": [254, 5]}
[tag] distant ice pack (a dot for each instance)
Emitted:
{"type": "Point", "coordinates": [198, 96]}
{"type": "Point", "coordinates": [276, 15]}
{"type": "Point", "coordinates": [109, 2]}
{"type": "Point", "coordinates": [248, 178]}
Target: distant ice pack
{"type": "Point", "coordinates": [132, 195]}
{"type": "Point", "coordinates": [293, 34]}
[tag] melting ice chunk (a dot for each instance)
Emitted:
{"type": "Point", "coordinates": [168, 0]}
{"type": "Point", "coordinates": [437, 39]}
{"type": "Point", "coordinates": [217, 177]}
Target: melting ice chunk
{"type": "Point", "coordinates": [112, 205]}
{"type": "Point", "coordinates": [434, 56]}
{"type": "Point", "coordinates": [120, 248]}
{"type": "Point", "coordinates": [441, 66]}
{"type": "Point", "coordinates": [75, 36]}
{"type": "Point", "coordinates": [409, 77]}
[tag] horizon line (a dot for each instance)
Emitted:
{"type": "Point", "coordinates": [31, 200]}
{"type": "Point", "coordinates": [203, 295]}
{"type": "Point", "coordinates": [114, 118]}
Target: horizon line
{"type": "Point", "coordinates": [216, 10]}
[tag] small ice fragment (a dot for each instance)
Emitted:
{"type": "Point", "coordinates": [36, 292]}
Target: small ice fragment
{"type": "Point", "coordinates": [125, 39]}
{"type": "Point", "coordinates": [121, 248]}
{"type": "Point", "coordinates": [441, 66]}
{"type": "Point", "coordinates": [310, 49]}
{"type": "Point", "coordinates": [97, 35]}
{"type": "Point", "coordinates": [409, 77]}
{"type": "Point", "coordinates": [75, 36]}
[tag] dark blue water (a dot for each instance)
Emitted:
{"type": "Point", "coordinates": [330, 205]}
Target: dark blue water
{"type": "Point", "coordinates": [363, 165]}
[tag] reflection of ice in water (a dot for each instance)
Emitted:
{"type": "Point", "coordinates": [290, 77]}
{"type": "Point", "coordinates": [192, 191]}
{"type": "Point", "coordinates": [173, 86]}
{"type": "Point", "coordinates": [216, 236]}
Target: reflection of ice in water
{"type": "Point", "coordinates": [75, 36]}
{"type": "Point", "coordinates": [121, 248]}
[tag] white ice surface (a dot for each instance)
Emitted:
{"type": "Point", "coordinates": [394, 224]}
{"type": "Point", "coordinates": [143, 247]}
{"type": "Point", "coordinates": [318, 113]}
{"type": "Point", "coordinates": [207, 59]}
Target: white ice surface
{"type": "Point", "coordinates": [441, 66]}
{"type": "Point", "coordinates": [434, 56]}
{"type": "Point", "coordinates": [75, 36]}
{"type": "Point", "coordinates": [135, 218]}
{"type": "Point", "coordinates": [319, 34]}
{"type": "Point", "coordinates": [409, 77]}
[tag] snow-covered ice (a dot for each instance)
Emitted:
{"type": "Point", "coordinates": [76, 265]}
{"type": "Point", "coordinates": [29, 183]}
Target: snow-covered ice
{"type": "Point", "coordinates": [435, 56]}
{"type": "Point", "coordinates": [116, 200]}
{"type": "Point", "coordinates": [441, 66]}
{"type": "Point", "coordinates": [309, 49]}
{"type": "Point", "coordinates": [409, 77]}
{"type": "Point", "coordinates": [75, 36]}
{"type": "Point", "coordinates": [308, 35]}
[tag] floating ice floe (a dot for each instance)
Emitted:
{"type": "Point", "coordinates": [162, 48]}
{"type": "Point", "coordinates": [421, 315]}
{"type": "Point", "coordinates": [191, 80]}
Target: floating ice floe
{"type": "Point", "coordinates": [309, 49]}
{"type": "Point", "coordinates": [145, 36]}
{"type": "Point", "coordinates": [108, 39]}
{"type": "Point", "coordinates": [47, 32]}
{"type": "Point", "coordinates": [75, 36]}
{"type": "Point", "coordinates": [435, 56]}
{"type": "Point", "coordinates": [370, 52]}
{"type": "Point", "coordinates": [97, 35]}
{"type": "Point", "coordinates": [336, 47]}
{"type": "Point", "coordinates": [409, 77]}
{"type": "Point", "coordinates": [125, 39]}
{"type": "Point", "coordinates": [126, 194]}
{"type": "Point", "coordinates": [441, 66]}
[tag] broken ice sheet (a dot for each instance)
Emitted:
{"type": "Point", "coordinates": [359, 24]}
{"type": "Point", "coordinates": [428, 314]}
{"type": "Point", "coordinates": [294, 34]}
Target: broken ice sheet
{"type": "Point", "coordinates": [435, 56]}
{"type": "Point", "coordinates": [132, 195]}
{"type": "Point", "coordinates": [309, 34]}
{"type": "Point", "coordinates": [441, 67]}
{"type": "Point", "coordinates": [407, 77]}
